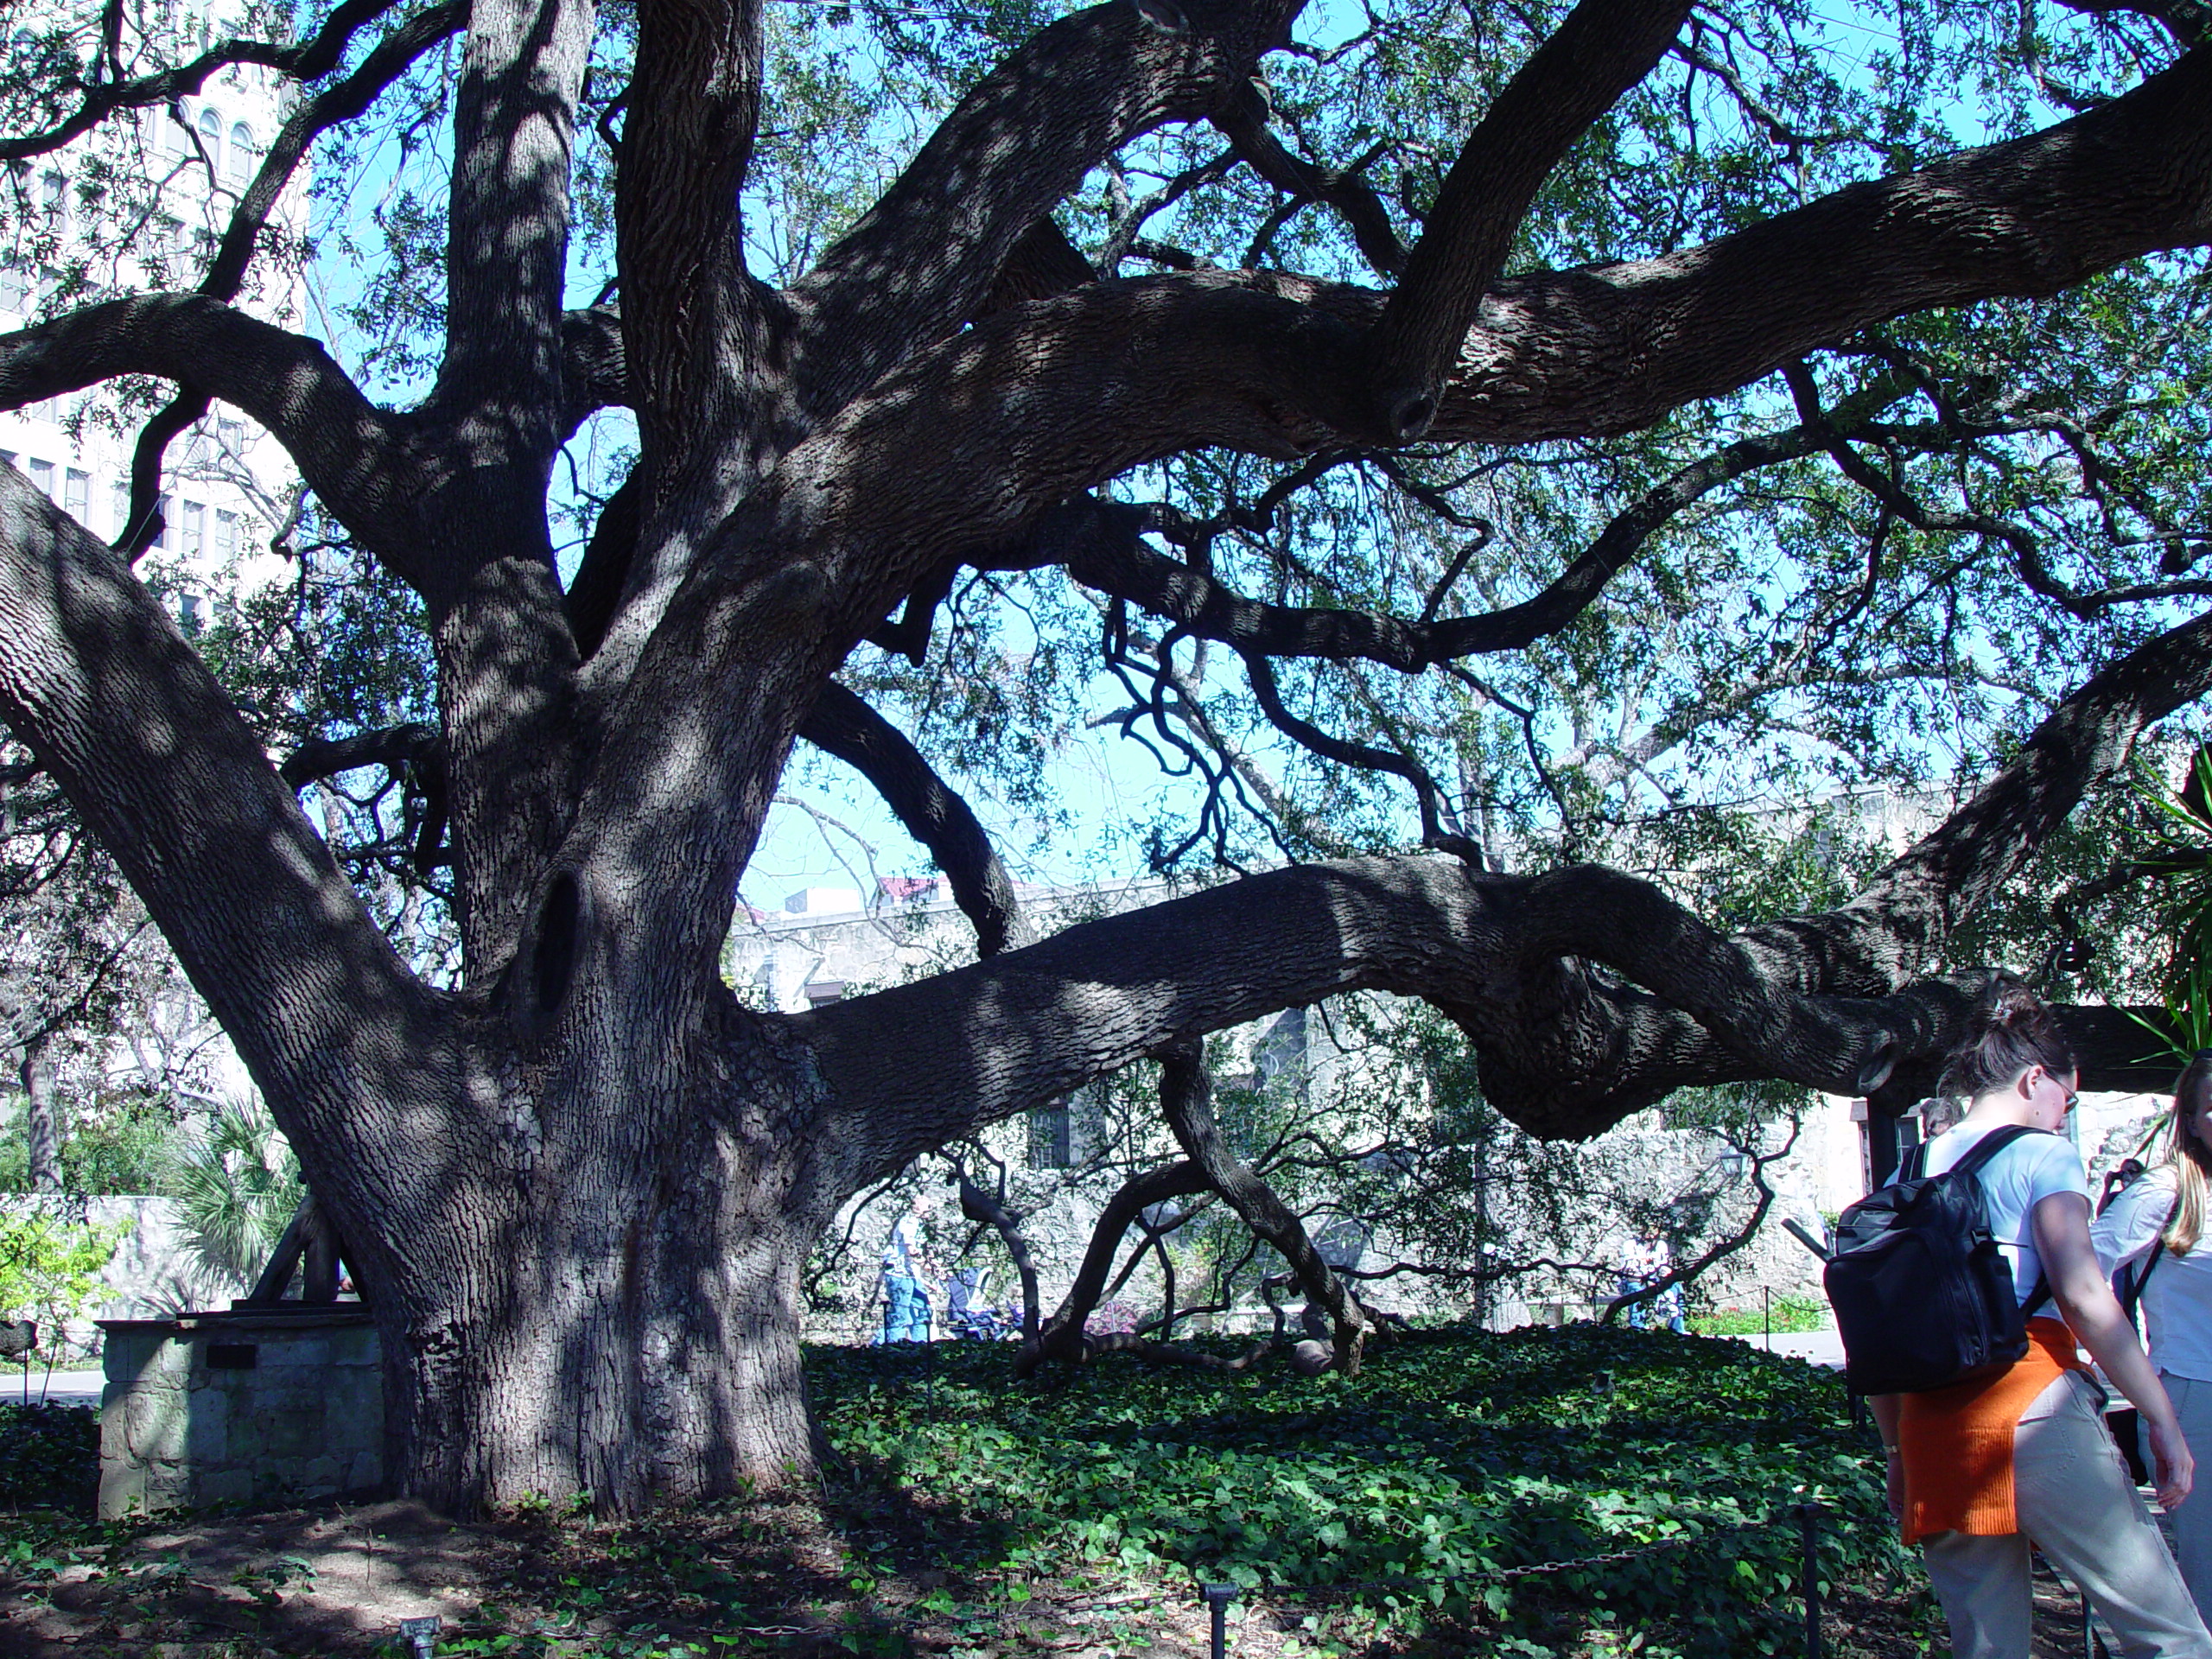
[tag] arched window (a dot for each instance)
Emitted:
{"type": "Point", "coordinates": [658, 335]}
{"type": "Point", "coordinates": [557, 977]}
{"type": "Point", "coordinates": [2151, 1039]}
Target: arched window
{"type": "Point", "coordinates": [211, 138]}
{"type": "Point", "coordinates": [242, 157]}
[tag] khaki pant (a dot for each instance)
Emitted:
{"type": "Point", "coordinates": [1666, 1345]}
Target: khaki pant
{"type": "Point", "coordinates": [2074, 1499]}
{"type": "Point", "coordinates": [2192, 1524]}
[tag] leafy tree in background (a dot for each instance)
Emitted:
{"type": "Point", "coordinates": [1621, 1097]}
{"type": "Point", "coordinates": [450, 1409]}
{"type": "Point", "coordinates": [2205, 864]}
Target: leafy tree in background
{"type": "Point", "coordinates": [1540, 422]}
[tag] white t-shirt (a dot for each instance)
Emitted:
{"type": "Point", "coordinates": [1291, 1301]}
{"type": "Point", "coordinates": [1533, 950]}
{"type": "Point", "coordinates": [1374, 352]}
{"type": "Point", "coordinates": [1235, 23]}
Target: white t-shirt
{"type": "Point", "coordinates": [2017, 1179]}
{"type": "Point", "coordinates": [2177, 1301]}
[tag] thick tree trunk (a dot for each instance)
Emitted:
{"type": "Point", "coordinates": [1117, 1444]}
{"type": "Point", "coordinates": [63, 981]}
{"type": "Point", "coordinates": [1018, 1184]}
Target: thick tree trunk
{"type": "Point", "coordinates": [610, 1304]}
{"type": "Point", "coordinates": [41, 1115]}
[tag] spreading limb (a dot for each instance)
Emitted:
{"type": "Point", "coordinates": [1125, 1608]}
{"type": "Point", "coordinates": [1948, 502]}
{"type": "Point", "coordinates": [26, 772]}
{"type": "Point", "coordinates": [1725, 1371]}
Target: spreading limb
{"type": "Point", "coordinates": [1186, 1099]}
{"type": "Point", "coordinates": [842, 725]}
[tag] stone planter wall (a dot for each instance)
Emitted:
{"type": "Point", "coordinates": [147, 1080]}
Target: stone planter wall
{"type": "Point", "coordinates": [240, 1408]}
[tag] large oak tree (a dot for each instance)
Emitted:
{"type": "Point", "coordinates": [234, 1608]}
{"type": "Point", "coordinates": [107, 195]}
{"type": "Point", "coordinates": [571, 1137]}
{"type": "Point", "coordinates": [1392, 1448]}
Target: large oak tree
{"type": "Point", "coordinates": [578, 1184]}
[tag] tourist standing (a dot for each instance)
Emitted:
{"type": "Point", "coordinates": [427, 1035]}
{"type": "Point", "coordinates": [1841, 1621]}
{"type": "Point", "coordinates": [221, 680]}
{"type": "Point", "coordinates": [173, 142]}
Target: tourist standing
{"type": "Point", "coordinates": [2152, 1234]}
{"type": "Point", "coordinates": [1979, 1469]}
{"type": "Point", "coordinates": [906, 1286]}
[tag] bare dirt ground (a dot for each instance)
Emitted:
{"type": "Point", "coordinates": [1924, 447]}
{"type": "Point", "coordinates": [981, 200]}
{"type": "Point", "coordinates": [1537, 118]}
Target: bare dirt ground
{"type": "Point", "coordinates": [338, 1580]}
{"type": "Point", "coordinates": [760, 1578]}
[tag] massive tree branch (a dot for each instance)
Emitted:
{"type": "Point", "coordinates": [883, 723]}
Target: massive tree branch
{"type": "Point", "coordinates": [393, 56]}
{"type": "Point", "coordinates": [354, 455]}
{"type": "Point", "coordinates": [95, 678]}
{"type": "Point", "coordinates": [1603, 48]}
{"type": "Point", "coordinates": [852, 519]}
{"type": "Point", "coordinates": [1827, 1000]}
{"type": "Point", "coordinates": [507, 238]}
{"type": "Point", "coordinates": [694, 322]}
{"type": "Point", "coordinates": [1018, 144]}
{"type": "Point", "coordinates": [841, 724]}
{"type": "Point", "coordinates": [1089, 999]}
{"type": "Point", "coordinates": [1187, 1101]}
{"type": "Point", "coordinates": [1101, 545]}
{"type": "Point", "coordinates": [1609, 348]}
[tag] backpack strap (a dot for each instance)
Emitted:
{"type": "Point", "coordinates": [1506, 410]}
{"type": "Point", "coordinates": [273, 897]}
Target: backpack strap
{"type": "Point", "coordinates": [1985, 1149]}
{"type": "Point", "coordinates": [2131, 1297]}
{"type": "Point", "coordinates": [1990, 1145]}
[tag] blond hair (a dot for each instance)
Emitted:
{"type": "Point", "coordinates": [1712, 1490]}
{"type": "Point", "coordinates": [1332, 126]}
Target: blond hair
{"type": "Point", "coordinates": [2187, 1155]}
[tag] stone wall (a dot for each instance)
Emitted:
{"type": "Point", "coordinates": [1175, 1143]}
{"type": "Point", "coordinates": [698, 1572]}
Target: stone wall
{"type": "Point", "coordinates": [239, 1408]}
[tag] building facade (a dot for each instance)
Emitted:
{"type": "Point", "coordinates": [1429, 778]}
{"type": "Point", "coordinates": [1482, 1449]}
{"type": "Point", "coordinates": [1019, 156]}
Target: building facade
{"type": "Point", "coordinates": [140, 205]}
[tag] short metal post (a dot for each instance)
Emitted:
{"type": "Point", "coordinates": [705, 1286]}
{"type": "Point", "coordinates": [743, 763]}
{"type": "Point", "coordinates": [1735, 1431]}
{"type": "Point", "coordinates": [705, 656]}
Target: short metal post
{"type": "Point", "coordinates": [423, 1633]}
{"type": "Point", "coordinates": [1809, 1534]}
{"type": "Point", "coordinates": [1218, 1596]}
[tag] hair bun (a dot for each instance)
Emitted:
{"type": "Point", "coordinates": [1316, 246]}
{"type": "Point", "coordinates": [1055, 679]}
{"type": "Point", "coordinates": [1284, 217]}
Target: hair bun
{"type": "Point", "coordinates": [2015, 1030]}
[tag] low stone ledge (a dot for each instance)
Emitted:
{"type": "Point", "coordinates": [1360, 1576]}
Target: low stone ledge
{"type": "Point", "coordinates": [247, 1406]}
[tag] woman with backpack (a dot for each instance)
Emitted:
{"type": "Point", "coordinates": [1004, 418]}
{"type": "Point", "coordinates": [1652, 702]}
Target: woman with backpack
{"type": "Point", "coordinates": [2150, 1236]}
{"type": "Point", "coordinates": [1978, 1469]}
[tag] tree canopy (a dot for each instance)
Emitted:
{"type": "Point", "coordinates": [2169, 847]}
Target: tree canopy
{"type": "Point", "coordinates": [1545, 426]}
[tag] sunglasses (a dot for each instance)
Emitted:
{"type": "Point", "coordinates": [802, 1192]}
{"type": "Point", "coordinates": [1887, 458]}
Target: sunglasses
{"type": "Point", "coordinates": [2072, 1099]}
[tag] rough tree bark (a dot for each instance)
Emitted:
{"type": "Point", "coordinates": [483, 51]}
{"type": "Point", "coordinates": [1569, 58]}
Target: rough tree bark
{"type": "Point", "coordinates": [579, 1188]}
{"type": "Point", "coordinates": [41, 1115]}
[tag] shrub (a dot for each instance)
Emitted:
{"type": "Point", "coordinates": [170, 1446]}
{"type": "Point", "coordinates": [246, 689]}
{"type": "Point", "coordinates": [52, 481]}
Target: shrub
{"type": "Point", "coordinates": [50, 1266]}
{"type": "Point", "coordinates": [1788, 1312]}
{"type": "Point", "coordinates": [50, 1456]}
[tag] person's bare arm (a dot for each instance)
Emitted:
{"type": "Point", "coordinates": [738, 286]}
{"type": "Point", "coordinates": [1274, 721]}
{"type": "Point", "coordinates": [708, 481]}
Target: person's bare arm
{"type": "Point", "coordinates": [2079, 1288]}
{"type": "Point", "coordinates": [1886, 1409]}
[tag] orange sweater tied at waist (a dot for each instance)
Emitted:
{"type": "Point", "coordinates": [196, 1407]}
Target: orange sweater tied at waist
{"type": "Point", "coordinates": [1956, 1443]}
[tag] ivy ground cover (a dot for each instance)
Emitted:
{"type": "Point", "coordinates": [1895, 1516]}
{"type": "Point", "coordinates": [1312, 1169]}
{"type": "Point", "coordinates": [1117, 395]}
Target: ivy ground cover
{"type": "Point", "coordinates": [1551, 1489]}
{"type": "Point", "coordinates": [967, 1515]}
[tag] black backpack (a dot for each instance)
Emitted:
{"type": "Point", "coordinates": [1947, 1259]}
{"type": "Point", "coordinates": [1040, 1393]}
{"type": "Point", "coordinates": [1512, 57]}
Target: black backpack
{"type": "Point", "coordinates": [1924, 1297]}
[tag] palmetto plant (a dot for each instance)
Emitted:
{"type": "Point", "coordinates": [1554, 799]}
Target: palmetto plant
{"type": "Point", "coordinates": [2180, 857]}
{"type": "Point", "coordinates": [239, 1184]}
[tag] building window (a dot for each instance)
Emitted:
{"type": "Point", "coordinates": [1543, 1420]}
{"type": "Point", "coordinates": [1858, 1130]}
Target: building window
{"type": "Point", "coordinates": [53, 198]}
{"type": "Point", "coordinates": [1051, 1142]}
{"type": "Point", "coordinates": [15, 290]}
{"type": "Point", "coordinates": [242, 155]}
{"type": "Point", "coordinates": [77, 495]}
{"type": "Point", "coordinates": [120, 493]}
{"type": "Point", "coordinates": [188, 614]}
{"type": "Point", "coordinates": [821, 992]}
{"type": "Point", "coordinates": [176, 137]}
{"type": "Point", "coordinates": [210, 139]}
{"type": "Point", "coordinates": [42, 477]}
{"type": "Point", "coordinates": [195, 530]}
{"type": "Point", "coordinates": [227, 535]}
{"type": "Point", "coordinates": [167, 508]}
{"type": "Point", "coordinates": [230, 434]}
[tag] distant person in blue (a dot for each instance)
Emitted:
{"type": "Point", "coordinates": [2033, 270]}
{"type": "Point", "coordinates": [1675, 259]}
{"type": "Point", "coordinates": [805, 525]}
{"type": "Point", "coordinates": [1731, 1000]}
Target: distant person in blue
{"type": "Point", "coordinates": [905, 1290]}
{"type": "Point", "coordinates": [1669, 1304]}
{"type": "Point", "coordinates": [1635, 1273]}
